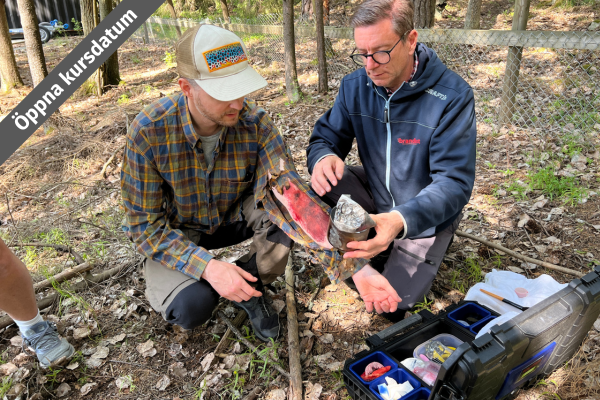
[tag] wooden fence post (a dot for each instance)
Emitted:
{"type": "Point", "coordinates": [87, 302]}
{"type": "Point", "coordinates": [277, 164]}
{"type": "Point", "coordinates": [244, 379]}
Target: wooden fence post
{"type": "Point", "coordinates": [146, 38]}
{"type": "Point", "coordinates": [513, 64]}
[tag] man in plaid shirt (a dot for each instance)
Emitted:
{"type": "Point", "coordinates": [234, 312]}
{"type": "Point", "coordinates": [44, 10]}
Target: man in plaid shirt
{"type": "Point", "coordinates": [195, 177]}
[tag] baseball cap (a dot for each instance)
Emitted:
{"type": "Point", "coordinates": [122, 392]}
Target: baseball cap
{"type": "Point", "coordinates": [217, 60]}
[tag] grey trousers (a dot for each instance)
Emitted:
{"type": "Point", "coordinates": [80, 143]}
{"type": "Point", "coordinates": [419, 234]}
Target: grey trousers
{"type": "Point", "coordinates": [410, 265]}
{"type": "Point", "coordinates": [188, 302]}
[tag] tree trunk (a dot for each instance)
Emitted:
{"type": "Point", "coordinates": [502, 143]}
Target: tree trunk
{"type": "Point", "coordinates": [424, 14]}
{"type": "Point", "coordinates": [510, 86]}
{"type": "Point", "coordinates": [9, 73]}
{"type": "Point", "coordinates": [33, 41]}
{"type": "Point", "coordinates": [307, 10]}
{"type": "Point", "coordinates": [111, 66]}
{"type": "Point", "coordinates": [326, 12]}
{"type": "Point", "coordinates": [292, 88]}
{"type": "Point", "coordinates": [321, 46]}
{"type": "Point", "coordinates": [473, 17]}
{"type": "Point", "coordinates": [225, 10]}
{"type": "Point", "coordinates": [87, 16]}
{"type": "Point", "coordinates": [171, 9]}
{"type": "Point", "coordinates": [100, 72]}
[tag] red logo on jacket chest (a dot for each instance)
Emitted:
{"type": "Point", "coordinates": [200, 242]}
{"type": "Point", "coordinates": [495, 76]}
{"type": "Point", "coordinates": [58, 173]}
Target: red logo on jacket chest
{"type": "Point", "coordinates": [409, 141]}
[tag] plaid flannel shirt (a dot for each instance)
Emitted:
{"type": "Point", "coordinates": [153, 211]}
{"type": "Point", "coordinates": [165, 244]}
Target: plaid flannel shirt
{"type": "Point", "coordinates": [166, 185]}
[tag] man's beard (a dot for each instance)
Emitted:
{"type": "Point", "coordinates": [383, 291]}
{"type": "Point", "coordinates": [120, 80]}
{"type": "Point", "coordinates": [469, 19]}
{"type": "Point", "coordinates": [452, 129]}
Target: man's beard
{"type": "Point", "coordinates": [219, 120]}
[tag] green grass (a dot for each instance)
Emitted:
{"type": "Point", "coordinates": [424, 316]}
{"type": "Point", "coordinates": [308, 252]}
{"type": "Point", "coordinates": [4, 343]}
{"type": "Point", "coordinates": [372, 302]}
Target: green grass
{"type": "Point", "coordinates": [5, 386]}
{"type": "Point", "coordinates": [52, 376]}
{"type": "Point", "coordinates": [257, 369]}
{"type": "Point", "coordinates": [466, 275]}
{"type": "Point", "coordinates": [517, 189]}
{"type": "Point", "coordinates": [566, 188]}
{"type": "Point", "coordinates": [69, 297]}
{"type": "Point", "coordinates": [54, 236]}
{"type": "Point", "coordinates": [123, 99]}
{"type": "Point", "coordinates": [170, 59]}
{"type": "Point", "coordinates": [425, 305]}
{"type": "Point", "coordinates": [4, 357]}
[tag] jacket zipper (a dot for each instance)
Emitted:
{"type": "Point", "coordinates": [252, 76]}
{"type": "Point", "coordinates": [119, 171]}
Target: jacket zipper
{"type": "Point", "coordinates": [419, 258]}
{"type": "Point", "coordinates": [386, 120]}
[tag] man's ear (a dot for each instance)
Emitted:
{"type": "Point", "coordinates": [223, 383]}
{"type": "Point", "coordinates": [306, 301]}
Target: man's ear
{"type": "Point", "coordinates": [412, 40]}
{"type": "Point", "coordinates": [185, 86]}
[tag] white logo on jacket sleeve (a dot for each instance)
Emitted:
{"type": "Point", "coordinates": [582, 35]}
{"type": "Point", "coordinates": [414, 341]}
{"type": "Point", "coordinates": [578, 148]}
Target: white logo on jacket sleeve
{"type": "Point", "coordinates": [439, 95]}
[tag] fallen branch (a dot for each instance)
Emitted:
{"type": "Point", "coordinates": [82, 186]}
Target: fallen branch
{"type": "Point", "coordinates": [106, 164]}
{"type": "Point", "coordinates": [520, 256]}
{"type": "Point", "coordinates": [251, 346]}
{"type": "Point", "coordinates": [63, 276]}
{"type": "Point", "coordinates": [293, 340]}
{"type": "Point", "coordinates": [311, 301]}
{"type": "Point", "coordinates": [60, 247]}
{"type": "Point", "coordinates": [224, 342]}
{"type": "Point", "coordinates": [253, 394]}
{"type": "Point", "coordinates": [78, 287]}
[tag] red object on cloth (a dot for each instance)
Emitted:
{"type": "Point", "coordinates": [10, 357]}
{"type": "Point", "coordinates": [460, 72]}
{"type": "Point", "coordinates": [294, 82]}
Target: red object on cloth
{"type": "Point", "coordinates": [375, 374]}
{"type": "Point", "coordinates": [308, 214]}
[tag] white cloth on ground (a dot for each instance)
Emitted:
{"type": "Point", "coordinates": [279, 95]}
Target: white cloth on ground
{"type": "Point", "coordinates": [504, 283]}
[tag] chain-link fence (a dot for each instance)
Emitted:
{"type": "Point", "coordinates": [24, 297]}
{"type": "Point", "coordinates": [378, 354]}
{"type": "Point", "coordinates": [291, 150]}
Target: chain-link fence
{"type": "Point", "coordinates": [543, 80]}
{"type": "Point", "coordinates": [536, 79]}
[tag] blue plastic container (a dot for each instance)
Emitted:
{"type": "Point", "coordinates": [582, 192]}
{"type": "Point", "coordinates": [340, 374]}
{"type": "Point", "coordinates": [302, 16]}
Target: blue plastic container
{"type": "Point", "coordinates": [400, 375]}
{"type": "Point", "coordinates": [475, 328]}
{"type": "Point", "coordinates": [421, 393]}
{"type": "Point", "coordinates": [359, 367]}
{"type": "Point", "coordinates": [469, 310]}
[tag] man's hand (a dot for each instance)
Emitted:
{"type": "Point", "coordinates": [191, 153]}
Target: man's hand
{"type": "Point", "coordinates": [330, 168]}
{"type": "Point", "coordinates": [230, 281]}
{"type": "Point", "coordinates": [388, 227]}
{"type": "Point", "coordinates": [375, 290]}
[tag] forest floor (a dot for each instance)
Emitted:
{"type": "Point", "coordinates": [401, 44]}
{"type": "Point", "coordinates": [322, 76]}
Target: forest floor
{"type": "Point", "coordinates": [54, 193]}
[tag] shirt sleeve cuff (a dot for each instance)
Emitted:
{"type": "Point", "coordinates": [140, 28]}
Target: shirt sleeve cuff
{"type": "Point", "coordinates": [405, 229]}
{"type": "Point", "coordinates": [197, 263]}
{"type": "Point", "coordinates": [323, 156]}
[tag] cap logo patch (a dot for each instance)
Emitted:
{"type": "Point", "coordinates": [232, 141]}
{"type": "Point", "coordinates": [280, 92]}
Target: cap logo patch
{"type": "Point", "coordinates": [224, 56]}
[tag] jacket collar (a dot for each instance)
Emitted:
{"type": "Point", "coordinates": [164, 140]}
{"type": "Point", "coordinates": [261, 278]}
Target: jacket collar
{"type": "Point", "coordinates": [429, 71]}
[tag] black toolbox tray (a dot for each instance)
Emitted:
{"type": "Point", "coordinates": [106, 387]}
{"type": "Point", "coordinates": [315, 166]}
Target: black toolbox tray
{"type": "Point", "coordinates": [495, 365]}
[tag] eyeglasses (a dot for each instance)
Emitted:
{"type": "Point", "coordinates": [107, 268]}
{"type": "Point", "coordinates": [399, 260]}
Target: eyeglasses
{"type": "Point", "coordinates": [380, 57]}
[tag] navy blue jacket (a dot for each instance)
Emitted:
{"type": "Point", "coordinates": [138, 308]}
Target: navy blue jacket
{"type": "Point", "coordinates": [417, 146]}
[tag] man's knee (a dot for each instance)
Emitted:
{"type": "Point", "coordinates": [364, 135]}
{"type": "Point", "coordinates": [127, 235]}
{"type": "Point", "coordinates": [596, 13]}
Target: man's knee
{"type": "Point", "coordinates": [193, 306]}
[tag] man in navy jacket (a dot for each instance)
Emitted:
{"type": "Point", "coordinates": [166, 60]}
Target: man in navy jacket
{"type": "Point", "coordinates": [414, 123]}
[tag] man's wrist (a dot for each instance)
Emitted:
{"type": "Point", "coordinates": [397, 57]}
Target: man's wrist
{"type": "Point", "coordinates": [324, 156]}
{"type": "Point", "coordinates": [401, 234]}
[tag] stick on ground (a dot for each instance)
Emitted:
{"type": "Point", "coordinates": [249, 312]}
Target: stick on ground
{"type": "Point", "coordinates": [224, 342]}
{"type": "Point", "coordinates": [293, 340]}
{"type": "Point", "coordinates": [59, 247]}
{"type": "Point", "coordinates": [520, 256]}
{"type": "Point", "coordinates": [63, 276]}
{"type": "Point", "coordinates": [254, 393]}
{"type": "Point", "coordinates": [112, 157]}
{"type": "Point", "coordinates": [251, 346]}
